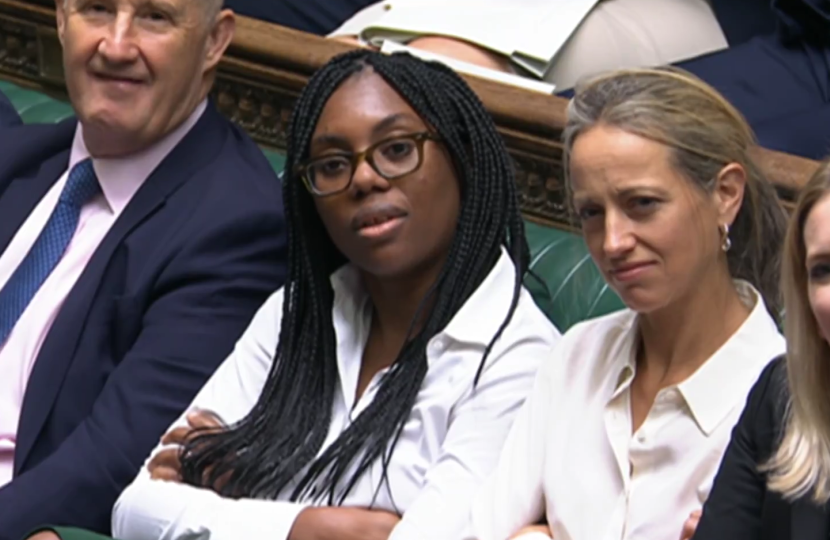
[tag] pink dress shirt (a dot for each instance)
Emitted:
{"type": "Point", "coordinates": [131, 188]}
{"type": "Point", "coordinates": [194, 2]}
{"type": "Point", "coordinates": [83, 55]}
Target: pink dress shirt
{"type": "Point", "coordinates": [120, 179]}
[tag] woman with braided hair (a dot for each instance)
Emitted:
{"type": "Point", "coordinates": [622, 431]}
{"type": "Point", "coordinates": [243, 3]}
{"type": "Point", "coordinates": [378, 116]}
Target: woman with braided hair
{"type": "Point", "coordinates": [371, 395]}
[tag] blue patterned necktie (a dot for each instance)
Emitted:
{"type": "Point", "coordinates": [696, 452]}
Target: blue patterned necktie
{"type": "Point", "coordinates": [81, 186]}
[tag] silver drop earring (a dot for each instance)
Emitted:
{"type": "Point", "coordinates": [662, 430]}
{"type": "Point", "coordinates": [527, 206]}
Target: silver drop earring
{"type": "Point", "coordinates": [726, 242]}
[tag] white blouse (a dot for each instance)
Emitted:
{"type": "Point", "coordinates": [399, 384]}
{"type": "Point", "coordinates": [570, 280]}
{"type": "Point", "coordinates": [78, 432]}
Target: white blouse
{"type": "Point", "coordinates": [449, 445]}
{"type": "Point", "coordinates": [571, 455]}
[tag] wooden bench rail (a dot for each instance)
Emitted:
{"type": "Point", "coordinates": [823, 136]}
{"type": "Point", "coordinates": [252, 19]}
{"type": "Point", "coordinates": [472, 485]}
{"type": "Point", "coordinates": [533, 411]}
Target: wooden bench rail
{"type": "Point", "coordinates": [268, 65]}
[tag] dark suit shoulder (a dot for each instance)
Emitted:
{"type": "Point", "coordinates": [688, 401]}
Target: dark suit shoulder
{"type": "Point", "coordinates": [8, 114]}
{"type": "Point", "coordinates": [27, 146]}
{"type": "Point", "coordinates": [242, 166]}
{"type": "Point", "coordinates": [773, 380]}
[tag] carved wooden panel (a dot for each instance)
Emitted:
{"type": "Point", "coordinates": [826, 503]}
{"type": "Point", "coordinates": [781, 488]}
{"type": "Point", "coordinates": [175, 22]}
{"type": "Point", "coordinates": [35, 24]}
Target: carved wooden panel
{"type": "Point", "coordinates": [19, 55]}
{"type": "Point", "coordinates": [261, 111]}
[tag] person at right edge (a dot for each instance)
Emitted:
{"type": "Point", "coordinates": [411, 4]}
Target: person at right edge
{"type": "Point", "coordinates": [774, 482]}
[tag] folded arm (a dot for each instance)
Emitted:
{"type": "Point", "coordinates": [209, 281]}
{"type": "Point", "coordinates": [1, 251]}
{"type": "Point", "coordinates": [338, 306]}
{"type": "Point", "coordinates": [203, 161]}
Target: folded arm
{"type": "Point", "coordinates": [155, 509]}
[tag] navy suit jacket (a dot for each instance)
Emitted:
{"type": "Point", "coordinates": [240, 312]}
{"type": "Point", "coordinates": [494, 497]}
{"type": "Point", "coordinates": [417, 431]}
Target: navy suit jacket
{"type": "Point", "coordinates": [741, 20]}
{"type": "Point", "coordinates": [776, 70]}
{"type": "Point", "coordinates": [8, 114]}
{"type": "Point", "coordinates": [161, 303]}
{"type": "Point", "coordinates": [314, 16]}
{"type": "Point", "coordinates": [780, 81]}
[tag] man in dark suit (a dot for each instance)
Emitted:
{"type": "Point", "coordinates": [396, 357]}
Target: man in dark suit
{"type": "Point", "coordinates": [8, 116]}
{"type": "Point", "coordinates": [136, 243]}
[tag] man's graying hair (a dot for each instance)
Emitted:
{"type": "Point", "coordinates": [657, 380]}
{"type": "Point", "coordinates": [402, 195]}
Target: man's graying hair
{"type": "Point", "coordinates": [705, 133]}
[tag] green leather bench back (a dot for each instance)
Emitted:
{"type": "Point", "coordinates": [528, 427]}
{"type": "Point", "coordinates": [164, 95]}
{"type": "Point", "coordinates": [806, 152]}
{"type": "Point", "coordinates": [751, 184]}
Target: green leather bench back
{"type": "Point", "coordinates": [565, 283]}
{"type": "Point", "coordinates": [575, 288]}
{"type": "Point", "coordinates": [35, 107]}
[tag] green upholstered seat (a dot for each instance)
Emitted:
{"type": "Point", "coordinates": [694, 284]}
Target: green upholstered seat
{"type": "Point", "coordinates": [68, 533]}
{"type": "Point", "coordinates": [575, 288]}
{"type": "Point", "coordinates": [569, 288]}
{"type": "Point", "coordinates": [35, 107]}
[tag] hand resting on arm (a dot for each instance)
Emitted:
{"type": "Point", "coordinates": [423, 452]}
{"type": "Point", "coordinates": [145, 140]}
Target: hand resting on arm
{"type": "Point", "coordinates": [313, 523]}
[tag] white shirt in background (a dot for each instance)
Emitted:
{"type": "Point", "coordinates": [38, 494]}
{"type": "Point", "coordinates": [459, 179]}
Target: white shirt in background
{"type": "Point", "coordinates": [530, 32]}
{"type": "Point", "coordinates": [559, 41]}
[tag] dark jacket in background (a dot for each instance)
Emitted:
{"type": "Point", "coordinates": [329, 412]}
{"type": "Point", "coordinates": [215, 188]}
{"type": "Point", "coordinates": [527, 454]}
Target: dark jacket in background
{"type": "Point", "coordinates": [781, 80]}
{"type": "Point", "coordinates": [776, 71]}
{"type": "Point", "coordinates": [742, 20]}
{"type": "Point", "coordinates": [319, 17]}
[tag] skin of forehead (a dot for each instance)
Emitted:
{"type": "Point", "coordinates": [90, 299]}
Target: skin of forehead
{"type": "Point", "coordinates": [210, 6]}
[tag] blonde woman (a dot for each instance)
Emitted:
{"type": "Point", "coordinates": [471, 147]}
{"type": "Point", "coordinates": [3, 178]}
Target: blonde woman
{"type": "Point", "coordinates": [626, 425]}
{"type": "Point", "coordinates": [774, 483]}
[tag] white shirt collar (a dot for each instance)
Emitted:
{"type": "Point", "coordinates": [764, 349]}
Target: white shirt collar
{"type": "Point", "coordinates": [469, 325]}
{"type": "Point", "coordinates": [120, 178]}
{"type": "Point", "coordinates": [708, 392]}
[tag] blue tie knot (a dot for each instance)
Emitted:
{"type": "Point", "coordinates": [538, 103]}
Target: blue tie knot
{"type": "Point", "coordinates": [82, 184]}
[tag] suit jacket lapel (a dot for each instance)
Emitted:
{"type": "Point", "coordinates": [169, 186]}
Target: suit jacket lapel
{"type": "Point", "coordinates": [23, 194]}
{"type": "Point", "coordinates": [200, 146]}
{"type": "Point", "coordinates": [25, 147]}
{"type": "Point", "coordinates": [809, 521]}
{"type": "Point", "coordinates": [34, 157]}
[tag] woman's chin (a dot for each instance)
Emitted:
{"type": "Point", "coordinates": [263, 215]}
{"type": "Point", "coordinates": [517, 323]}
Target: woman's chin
{"type": "Point", "coordinates": [642, 302]}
